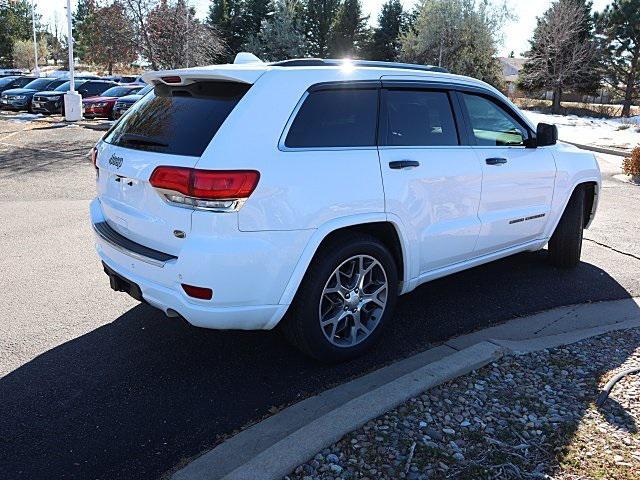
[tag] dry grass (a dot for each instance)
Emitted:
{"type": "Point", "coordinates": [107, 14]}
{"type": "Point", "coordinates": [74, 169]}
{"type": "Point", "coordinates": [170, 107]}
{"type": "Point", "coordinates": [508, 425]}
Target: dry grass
{"type": "Point", "coordinates": [576, 108]}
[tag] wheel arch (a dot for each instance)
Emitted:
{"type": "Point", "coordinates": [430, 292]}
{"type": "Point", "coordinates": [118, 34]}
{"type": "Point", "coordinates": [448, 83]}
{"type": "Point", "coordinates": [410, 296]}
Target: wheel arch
{"type": "Point", "coordinates": [592, 192]}
{"type": "Point", "coordinates": [592, 189]}
{"type": "Point", "coordinates": [377, 225]}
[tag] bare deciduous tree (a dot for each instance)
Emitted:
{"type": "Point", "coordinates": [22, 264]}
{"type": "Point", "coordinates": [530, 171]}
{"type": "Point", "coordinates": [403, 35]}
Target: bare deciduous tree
{"type": "Point", "coordinates": [563, 54]}
{"type": "Point", "coordinates": [178, 39]}
{"type": "Point", "coordinates": [139, 11]}
{"type": "Point", "coordinates": [113, 38]}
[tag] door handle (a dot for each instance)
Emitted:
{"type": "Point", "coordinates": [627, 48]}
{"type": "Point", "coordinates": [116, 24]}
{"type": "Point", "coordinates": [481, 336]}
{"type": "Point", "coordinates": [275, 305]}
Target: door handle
{"type": "Point", "coordinates": [496, 161]}
{"type": "Point", "coordinates": [398, 164]}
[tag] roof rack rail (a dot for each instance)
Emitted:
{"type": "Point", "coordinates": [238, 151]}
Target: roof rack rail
{"type": "Point", "coordinates": [326, 62]}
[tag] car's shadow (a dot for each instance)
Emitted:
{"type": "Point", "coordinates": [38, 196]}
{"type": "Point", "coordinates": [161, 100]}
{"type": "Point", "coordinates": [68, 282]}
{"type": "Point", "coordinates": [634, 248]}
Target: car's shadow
{"type": "Point", "coordinates": [133, 398]}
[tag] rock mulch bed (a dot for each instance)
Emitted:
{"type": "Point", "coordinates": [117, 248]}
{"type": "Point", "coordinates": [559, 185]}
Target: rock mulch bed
{"type": "Point", "coordinates": [528, 416]}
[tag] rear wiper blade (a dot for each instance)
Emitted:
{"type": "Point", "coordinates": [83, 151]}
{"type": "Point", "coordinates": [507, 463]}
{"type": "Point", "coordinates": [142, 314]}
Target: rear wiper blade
{"type": "Point", "coordinates": [142, 140]}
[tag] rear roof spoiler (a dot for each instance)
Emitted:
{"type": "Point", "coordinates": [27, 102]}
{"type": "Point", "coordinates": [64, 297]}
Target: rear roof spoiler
{"type": "Point", "coordinates": [242, 73]}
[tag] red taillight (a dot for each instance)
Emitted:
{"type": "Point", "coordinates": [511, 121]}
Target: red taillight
{"type": "Point", "coordinates": [198, 292]}
{"type": "Point", "coordinates": [176, 179]}
{"type": "Point", "coordinates": [206, 184]}
{"type": "Point", "coordinates": [173, 79]}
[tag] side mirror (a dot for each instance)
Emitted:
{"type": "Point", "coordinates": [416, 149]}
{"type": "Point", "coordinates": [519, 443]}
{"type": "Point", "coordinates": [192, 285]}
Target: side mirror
{"type": "Point", "coordinates": [546, 135]}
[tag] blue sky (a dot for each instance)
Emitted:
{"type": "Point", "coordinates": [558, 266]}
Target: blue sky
{"type": "Point", "coordinates": [516, 33]}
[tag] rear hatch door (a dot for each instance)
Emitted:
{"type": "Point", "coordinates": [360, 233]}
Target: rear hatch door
{"type": "Point", "coordinates": [170, 126]}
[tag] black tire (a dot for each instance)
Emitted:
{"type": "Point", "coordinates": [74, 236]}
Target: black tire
{"type": "Point", "coordinates": [565, 245]}
{"type": "Point", "coordinates": [301, 326]}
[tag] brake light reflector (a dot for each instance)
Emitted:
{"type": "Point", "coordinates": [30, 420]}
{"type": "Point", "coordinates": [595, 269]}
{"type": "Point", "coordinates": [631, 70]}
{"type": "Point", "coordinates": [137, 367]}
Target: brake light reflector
{"type": "Point", "coordinates": [198, 292]}
{"type": "Point", "coordinates": [222, 190]}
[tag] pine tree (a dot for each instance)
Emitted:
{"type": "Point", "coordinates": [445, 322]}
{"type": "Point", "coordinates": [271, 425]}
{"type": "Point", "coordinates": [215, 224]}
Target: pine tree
{"type": "Point", "coordinates": [15, 24]}
{"type": "Point", "coordinates": [349, 31]}
{"type": "Point", "coordinates": [280, 37]}
{"type": "Point", "coordinates": [226, 18]}
{"type": "Point", "coordinates": [619, 26]}
{"type": "Point", "coordinates": [319, 16]}
{"type": "Point", "coordinates": [255, 11]}
{"type": "Point", "coordinates": [386, 37]}
{"type": "Point", "coordinates": [82, 31]}
{"type": "Point", "coordinates": [563, 54]}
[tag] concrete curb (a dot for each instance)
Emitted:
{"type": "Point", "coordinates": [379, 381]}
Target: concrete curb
{"type": "Point", "coordinates": [272, 448]}
{"type": "Point", "coordinates": [284, 456]}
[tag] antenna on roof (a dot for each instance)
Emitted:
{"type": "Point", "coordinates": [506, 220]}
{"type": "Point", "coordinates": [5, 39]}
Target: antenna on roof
{"type": "Point", "coordinates": [246, 57]}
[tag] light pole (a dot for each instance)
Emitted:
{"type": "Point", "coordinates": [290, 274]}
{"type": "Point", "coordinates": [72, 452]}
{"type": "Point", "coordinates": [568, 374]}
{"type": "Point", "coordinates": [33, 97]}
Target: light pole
{"type": "Point", "coordinates": [36, 70]}
{"type": "Point", "coordinates": [72, 99]}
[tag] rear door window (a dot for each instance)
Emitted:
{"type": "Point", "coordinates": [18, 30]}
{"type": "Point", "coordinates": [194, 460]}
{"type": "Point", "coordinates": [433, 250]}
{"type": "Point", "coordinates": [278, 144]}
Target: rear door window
{"type": "Point", "coordinates": [417, 118]}
{"type": "Point", "coordinates": [335, 118]}
{"type": "Point", "coordinates": [179, 120]}
{"type": "Point", "coordinates": [91, 89]}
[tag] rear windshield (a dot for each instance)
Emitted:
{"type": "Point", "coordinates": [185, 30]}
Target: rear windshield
{"type": "Point", "coordinates": [179, 120]}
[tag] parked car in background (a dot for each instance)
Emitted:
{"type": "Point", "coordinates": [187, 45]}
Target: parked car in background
{"type": "Point", "coordinates": [7, 83]}
{"type": "Point", "coordinates": [124, 103]}
{"type": "Point", "coordinates": [121, 78]}
{"type": "Point", "coordinates": [20, 98]}
{"type": "Point", "coordinates": [53, 101]}
{"type": "Point", "coordinates": [102, 106]}
{"type": "Point", "coordinates": [10, 72]}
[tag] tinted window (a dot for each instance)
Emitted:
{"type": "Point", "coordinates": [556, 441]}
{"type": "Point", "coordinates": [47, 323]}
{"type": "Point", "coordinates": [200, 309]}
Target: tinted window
{"type": "Point", "coordinates": [39, 84]}
{"type": "Point", "coordinates": [94, 88]}
{"type": "Point", "coordinates": [120, 91]}
{"type": "Point", "coordinates": [418, 118]}
{"type": "Point", "coordinates": [21, 82]}
{"type": "Point", "coordinates": [179, 120]}
{"type": "Point", "coordinates": [65, 86]}
{"type": "Point", "coordinates": [6, 81]}
{"type": "Point", "coordinates": [335, 118]}
{"type": "Point", "coordinates": [491, 124]}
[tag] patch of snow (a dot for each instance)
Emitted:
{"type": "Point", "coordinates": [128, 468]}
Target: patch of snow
{"type": "Point", "coordinates": [618, 133]}
{"type": "Point", "coordinates": [22, 117]}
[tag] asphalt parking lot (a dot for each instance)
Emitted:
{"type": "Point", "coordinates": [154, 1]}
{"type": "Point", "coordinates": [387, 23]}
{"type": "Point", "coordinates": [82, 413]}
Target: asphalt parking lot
{"type": "Point", "coordinates": [95, 385]}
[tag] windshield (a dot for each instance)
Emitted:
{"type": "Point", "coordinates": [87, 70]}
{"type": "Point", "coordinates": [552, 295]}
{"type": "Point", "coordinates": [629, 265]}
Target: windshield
{"type": "Point", "coordinates": [39, 84]}
{"type": "Point", "coordinates": [6, 81]}
{"type": "Point", "coordinates": [65, 86]}
{"type": "Point", "coordinates": [120, 91]}
{"type": "Point", "coordinates": [179, 120]}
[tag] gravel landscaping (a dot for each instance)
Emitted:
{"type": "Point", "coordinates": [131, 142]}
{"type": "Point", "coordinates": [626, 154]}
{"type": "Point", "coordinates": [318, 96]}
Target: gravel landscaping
{"type": "Point", "coordinates": [527, 416]}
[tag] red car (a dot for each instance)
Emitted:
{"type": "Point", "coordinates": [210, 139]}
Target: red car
{"type": "Point", "coordinates": [102, 106]}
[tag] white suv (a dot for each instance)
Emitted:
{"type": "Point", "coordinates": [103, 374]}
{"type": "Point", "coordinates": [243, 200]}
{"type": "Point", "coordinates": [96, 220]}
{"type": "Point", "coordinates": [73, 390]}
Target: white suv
{"type": "Point", "coordinates": [311, 193]}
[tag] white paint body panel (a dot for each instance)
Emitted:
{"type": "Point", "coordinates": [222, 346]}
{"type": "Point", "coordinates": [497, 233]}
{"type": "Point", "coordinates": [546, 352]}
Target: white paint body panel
{"type": "Point", "coordinates": [451, 213]}
{"type": "Point", "coordinates": [519, 189]}
{"type": "Point", "coordinates": [437, 201]}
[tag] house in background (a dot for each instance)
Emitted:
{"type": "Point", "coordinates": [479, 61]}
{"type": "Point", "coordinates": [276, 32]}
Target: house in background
{"type": "Point", "coordinates": [510, 70]}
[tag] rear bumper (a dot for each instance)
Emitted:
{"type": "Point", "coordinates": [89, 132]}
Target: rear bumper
{"type": "Point", "coordinates": [247, 287]}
